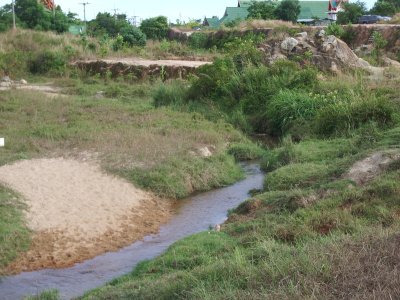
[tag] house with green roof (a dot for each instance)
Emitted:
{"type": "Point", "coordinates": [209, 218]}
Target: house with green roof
{"type": "Point", "coordinates": [313, 9]}
{"type": "Point", "coordinates": [233, 14]}
{"type": "Point", "coordinates": [309, 10]}
{"type": "Point", "coordinates": [211, 22]}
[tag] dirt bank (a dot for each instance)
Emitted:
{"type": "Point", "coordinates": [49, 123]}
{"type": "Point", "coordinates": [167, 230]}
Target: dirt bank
{"type": "Point", "coordinates": [77, 212]}
{"type": "Point", "coordinates": [140, 69]}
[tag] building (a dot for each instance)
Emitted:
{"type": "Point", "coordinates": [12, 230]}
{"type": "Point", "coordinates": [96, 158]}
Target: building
{"type": "Point", "coordinates": [310, 11]}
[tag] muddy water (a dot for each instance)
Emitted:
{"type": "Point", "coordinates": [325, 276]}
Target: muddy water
{"type": "Point", "coordinates": [194, 215]}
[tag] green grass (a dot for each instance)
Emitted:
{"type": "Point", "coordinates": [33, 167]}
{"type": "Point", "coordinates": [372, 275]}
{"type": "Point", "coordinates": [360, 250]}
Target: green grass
{"type": "Point", "coordinates": [46, 295]}
{"type": "Point", "coordinates": [155, 148]}
{"type": "Point", "coordinates": [302, 239]}
{"type": "Point", "coordinates": [14, 235]}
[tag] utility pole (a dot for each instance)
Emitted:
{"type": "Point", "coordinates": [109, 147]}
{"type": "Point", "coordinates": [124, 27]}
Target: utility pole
{"type": "Point", "coordinates": [13, 13]}
{"type": "Point", "coordinates": [115, 13]}
{"type": "Point", "coordinates": [84, 10]}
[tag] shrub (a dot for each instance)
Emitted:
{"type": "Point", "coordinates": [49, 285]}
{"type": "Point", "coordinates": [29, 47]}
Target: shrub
{"type": "Point", "coordinates": [288, 106]}
{"type": "Point", "coordinates": [47, 61]}
{"type": "Point", "coordinates": [343, 116]}
{"type": "Point", "coordinates": [335, 29]}
{"type": "Point", "coordinates": [212, 79]}
{"type": "Point", "coordinates": [155, 28]}
{"type": "Point", "coordinates": [198, 40]}
{"type": "Point", "coordinates": [133, 36]}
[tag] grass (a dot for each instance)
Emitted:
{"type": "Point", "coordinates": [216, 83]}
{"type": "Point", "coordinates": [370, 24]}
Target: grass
{"type": "Point", "coordinates": [307, 235]}
{"type": "Point", "coordinates": [155, 148]}
{"type": "Point", "coordinates": [14, 235]}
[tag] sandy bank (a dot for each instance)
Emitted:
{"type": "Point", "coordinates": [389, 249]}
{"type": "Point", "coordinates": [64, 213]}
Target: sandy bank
{"type": "Point", "coordinates": [77, 212]}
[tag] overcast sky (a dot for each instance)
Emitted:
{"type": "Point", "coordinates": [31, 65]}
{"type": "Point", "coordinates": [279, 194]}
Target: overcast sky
{"type": "Point", "coordinates": [173, 9]}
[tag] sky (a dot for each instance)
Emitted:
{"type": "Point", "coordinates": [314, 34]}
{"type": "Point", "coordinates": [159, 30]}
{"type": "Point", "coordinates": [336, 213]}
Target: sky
{"type": "Point", "coordinates": [173, 9]}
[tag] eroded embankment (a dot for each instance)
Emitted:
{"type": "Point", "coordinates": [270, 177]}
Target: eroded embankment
{"type": "Point", "coordinates": [77, 212]}
{"type": "Point", "coordinates": [140, 69]}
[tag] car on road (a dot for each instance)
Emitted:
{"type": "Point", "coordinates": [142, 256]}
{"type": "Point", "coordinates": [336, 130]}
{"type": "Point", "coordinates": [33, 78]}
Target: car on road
{"type": "Point", "coordinates": [372, 19]}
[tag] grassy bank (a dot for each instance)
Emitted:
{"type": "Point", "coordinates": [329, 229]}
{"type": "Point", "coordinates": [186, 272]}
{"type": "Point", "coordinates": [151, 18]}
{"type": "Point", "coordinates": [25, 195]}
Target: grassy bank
{"type": "Point", "coordinates": [312, 232]}
{"type": "Point", "coordinates": [14, 236]}
{"type": "Point", "coordinates": [158, 149]}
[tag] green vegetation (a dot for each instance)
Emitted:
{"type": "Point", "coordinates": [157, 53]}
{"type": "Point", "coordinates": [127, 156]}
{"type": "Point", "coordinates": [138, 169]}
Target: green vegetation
{"type": "Point", "coordinates": [351, 12]}
{"type": "Point", "coordinates": [286, 10]}
{"type": "Point", "coordinates": [306, 234]}
{"type": "Point", "coordinates": [14, 236]}
{"type": "Point", "coordinates": [155, 28]}
{"type": "Point", "coordinates": [33, 15]}
{"type": "Point", "coordinates": [311, 232]}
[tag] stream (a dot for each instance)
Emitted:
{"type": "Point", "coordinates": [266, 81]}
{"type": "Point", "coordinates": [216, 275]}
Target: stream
{"type": "Point", "coordinates": [193, 215]}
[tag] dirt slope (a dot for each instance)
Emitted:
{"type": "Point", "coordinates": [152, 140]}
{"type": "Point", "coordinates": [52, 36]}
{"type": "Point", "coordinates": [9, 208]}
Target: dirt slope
{"type": "Point", "coordinates": [78, 212]}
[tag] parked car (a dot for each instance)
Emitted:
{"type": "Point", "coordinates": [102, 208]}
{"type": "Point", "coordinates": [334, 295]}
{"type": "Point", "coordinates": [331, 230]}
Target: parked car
{"type": "Point", "coordinates": [372, 19]}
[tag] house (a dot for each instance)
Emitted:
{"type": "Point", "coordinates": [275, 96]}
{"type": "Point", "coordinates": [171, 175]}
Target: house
{"type": "Point", "coordinates": [310, 10]}
{"type": "Point", "coordinates": [233, 14]}
{"type": "Point", "coordinates": [211, 22]}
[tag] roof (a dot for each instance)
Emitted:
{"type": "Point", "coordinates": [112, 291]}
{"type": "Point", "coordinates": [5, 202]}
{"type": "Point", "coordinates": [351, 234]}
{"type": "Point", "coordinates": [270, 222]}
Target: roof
{"type": "Point", "coordinates": [234, 13]}
{"type": "Point", "coordinates": [247, 3]}
{"type": "Point", "coordinates": [312, 9]}
{"type": "Point", "coordinates": [212, 22]}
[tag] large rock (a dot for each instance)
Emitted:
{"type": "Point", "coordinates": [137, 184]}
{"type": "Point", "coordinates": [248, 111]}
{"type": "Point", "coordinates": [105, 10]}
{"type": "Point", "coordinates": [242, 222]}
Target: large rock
{"type": "Point", "coordinates": [289, 44]}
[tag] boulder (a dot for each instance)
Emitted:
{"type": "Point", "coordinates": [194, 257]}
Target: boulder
{"type": "Point", "coordinates": [289, 44]}
{"type": "Point", "coordinates": [5, 79]}
{"type": "Point", "coordinates": [302, 35]}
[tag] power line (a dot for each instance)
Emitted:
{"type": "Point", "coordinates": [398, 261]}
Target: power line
{"type": "Point", "coordinates": [14, 25]}
{"type": "Point", "coordinates": [84, 10]}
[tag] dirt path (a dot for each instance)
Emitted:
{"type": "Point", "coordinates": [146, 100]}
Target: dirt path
{"type": "Point", "coordinates": [135, 61]}
{"type": "Point", "coordinates": [77, 212]}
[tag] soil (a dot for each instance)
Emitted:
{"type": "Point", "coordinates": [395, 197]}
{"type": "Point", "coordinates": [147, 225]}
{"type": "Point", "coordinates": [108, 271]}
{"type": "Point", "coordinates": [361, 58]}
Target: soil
{"type": "Point", "coordinates": [367, 169]}
{"type": "Point", "coordinates": [77, 212]}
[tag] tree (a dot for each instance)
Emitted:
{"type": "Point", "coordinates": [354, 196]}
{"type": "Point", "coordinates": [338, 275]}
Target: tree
{"type": "Point", "coordinates": [262, 10]}
{"type": "Point", "coordinates": [32, 14]}
{"type": "Point", "coordinates": [288, 10]}
{"type": "Point", "coordinates": [384, 8]}
{"type": "Point", "coordinates": [133, 36]}
{"type": "Point", "coordinates": [107, 24]}
{"type": "Point", "coordinates": [6, 19]}
{"type": "Point", "coordinates": [155, 28]}
{"type": "Point", "coordinates": [351, 13]}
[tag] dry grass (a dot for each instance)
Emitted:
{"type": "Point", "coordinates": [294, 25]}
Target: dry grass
{"type": "Point", "coordinates": [257, 24]}
{"type": "Point", "coordinates": [31, 41]}
{"type": "Point", "coordinates": [368, 269]}
{"type": "Point", "coordinates": [395, 19]}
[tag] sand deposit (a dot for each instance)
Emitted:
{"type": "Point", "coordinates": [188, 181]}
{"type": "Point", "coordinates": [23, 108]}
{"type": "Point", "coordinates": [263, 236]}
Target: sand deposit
{"type": "Point", "coordinates": [77, 212]}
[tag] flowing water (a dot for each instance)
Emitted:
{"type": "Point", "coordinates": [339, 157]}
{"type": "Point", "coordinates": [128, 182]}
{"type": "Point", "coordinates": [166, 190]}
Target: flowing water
{"type": "Point", "coordinates": [194, 215]}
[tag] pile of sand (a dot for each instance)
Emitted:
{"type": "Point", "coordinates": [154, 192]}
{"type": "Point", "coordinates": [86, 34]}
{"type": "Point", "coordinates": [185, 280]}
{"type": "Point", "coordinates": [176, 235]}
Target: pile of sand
{"type": "Point", "coordinates": [78, 212]}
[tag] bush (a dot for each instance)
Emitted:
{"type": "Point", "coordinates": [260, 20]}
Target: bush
{"type": "Point", "coordinates": [198, 40]}
{"type": "Point", "coordinates": [343, 116]}
{"type": "Point", "coordinates": [133, 36]}
{"type": "Point", "coordinates": [48, 61]}
{"type": "Point", "coordinates": [288, 106]}
{"type": "Point", "coordinates": [155, 28]}
{"type": "Point", "coordinates": [335, 29]}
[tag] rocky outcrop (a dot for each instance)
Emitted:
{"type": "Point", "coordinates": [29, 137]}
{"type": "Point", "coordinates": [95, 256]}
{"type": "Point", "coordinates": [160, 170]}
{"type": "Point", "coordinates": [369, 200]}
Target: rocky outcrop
{"type": "Point", "coordinates": [325, 51]}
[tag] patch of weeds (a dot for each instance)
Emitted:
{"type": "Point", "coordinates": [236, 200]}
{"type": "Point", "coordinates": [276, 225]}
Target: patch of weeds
{"type": "Point", "coordinates": [14, 234]}
{"type": "Point", "coordinates": [246, 151]}
{"type": "Point", "coordinates": [299, 175]}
